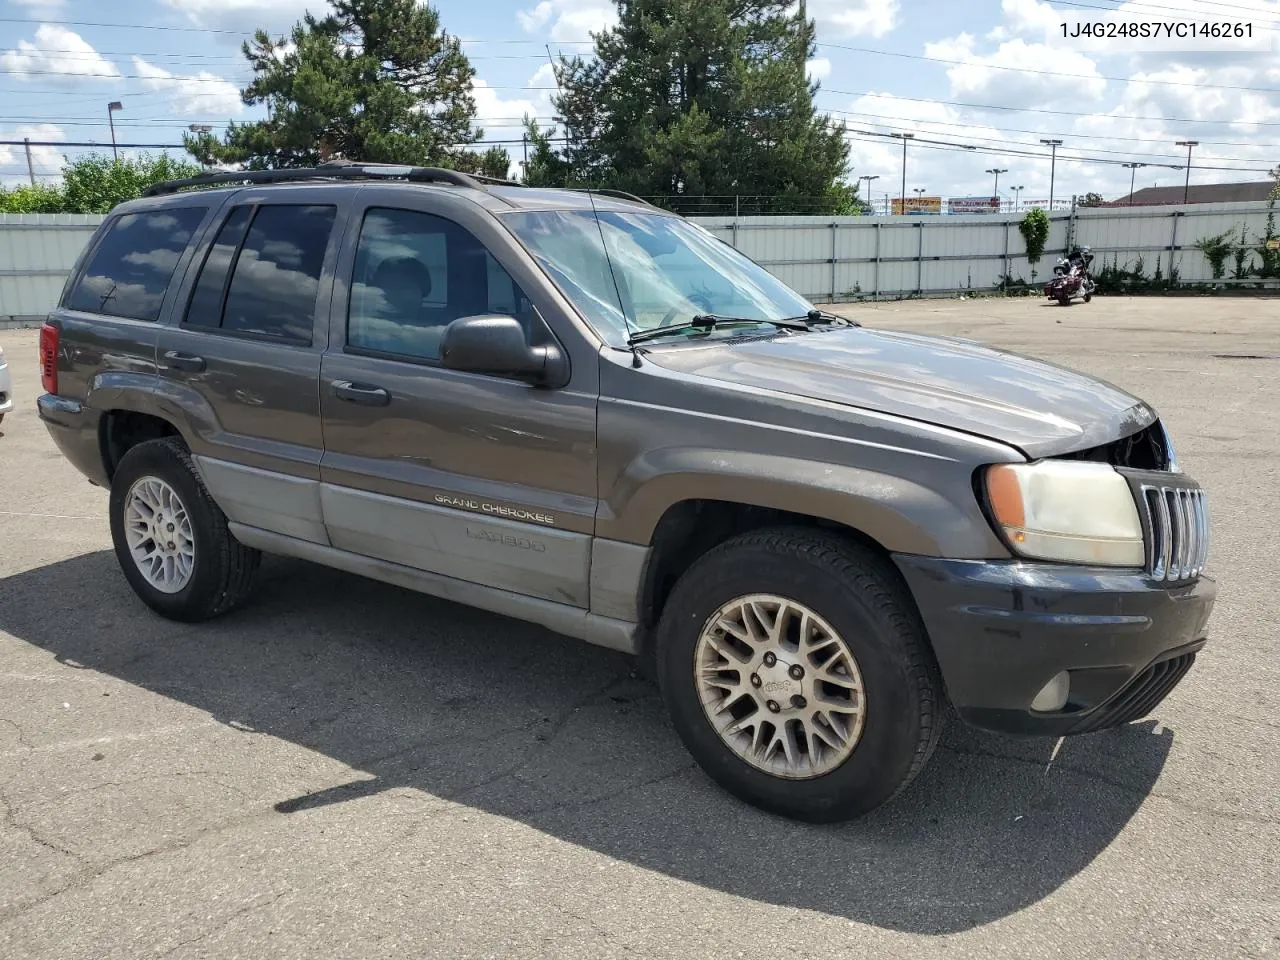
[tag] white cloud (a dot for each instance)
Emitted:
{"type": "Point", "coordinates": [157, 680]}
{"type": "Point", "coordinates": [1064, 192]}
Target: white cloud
{"type": "Point", "coordinates": [855, 18]}
{"type": "Point", "coordinates": [501, 118]}
{"type": "Point", "coordinates": [818, 69]}
{"type": "Point", "coordinates": [569, 20]}
{"type": "Point", "coordinates": [247, 15]}
{"type": "Point", "coordinates": [203, 94]}
{"type": "Point", "coordinates": [47, 161]}
{"type": "Point", "coordinates": [544, 76]}
{"type": "Point", "coordinates": [1030, 16]}
{"type": "Point", "coordinates": [503, 114]}
{"type": "Point", "coordinates": [950, 172]}
{"type": "Point", "coordinates": [536, 18]}
{"type": "Point", "coordinates": [498, 116]}
{"type": "Point", "coordinates": [1000, 77]}
{"type": "Point", "coordinates": [57, 56]}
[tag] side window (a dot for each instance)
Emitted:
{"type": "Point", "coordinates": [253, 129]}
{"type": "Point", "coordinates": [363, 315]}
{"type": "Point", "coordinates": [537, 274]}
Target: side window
{"type": "Point", "coordinates": [414, 275]}
{"type": "Point", "coordinates": [205, 308]}
{"type": "Point", "coordinates": [130, 270]}
{"type": "Point", "coordinates": [270, 290]}
{"type": "Point", "coordinates": [276, 277]}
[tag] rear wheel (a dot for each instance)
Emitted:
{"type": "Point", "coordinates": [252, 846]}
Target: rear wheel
{"type": "Point", "coordinates": [171, 539]}
{"type": "Point", "coordinates": [1064, 301]}
{"type": "Point", "coordinates": [797, 673]}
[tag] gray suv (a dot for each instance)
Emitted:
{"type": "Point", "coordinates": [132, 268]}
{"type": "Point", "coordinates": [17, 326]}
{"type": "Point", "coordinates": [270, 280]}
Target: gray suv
{"type": "Point", "coordinates": [579, 410]}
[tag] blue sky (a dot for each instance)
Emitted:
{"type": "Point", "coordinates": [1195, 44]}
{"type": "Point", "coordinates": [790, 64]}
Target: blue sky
{"type": "Point", "coordinates": [973, 73]}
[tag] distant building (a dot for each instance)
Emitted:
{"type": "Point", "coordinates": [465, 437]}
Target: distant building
{"type": "Point", "coordinates": [1198, 193]}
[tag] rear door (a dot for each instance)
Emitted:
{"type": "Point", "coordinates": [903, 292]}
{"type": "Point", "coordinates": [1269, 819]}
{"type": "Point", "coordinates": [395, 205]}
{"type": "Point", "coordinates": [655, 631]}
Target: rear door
{"type": "Point", "coordinates": [477, 477]}
{"type": "Point", "coordinates": [240, 362]}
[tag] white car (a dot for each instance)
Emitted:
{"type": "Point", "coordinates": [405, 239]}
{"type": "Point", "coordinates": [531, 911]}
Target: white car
{"type": "Point", "coordinates": [6, 387]}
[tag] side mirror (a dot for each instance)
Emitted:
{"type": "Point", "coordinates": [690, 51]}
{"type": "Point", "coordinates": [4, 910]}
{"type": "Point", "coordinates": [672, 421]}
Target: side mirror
{"type": "Point", "coordinates": [497, 345]}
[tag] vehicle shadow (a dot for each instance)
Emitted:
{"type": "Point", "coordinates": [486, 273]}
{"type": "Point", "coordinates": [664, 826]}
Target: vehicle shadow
{"type": "Point", "coordinates": [510, 719]}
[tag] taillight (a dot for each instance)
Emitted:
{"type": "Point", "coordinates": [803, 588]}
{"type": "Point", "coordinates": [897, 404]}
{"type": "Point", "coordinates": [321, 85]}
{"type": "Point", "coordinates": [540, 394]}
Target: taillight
{"type": "Point", "coordinates": [49, 358]}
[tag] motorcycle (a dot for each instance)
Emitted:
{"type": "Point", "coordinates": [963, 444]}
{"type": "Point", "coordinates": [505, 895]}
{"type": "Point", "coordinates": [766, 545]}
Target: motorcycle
{"type": "Point", "coordinates": [1071, 278]}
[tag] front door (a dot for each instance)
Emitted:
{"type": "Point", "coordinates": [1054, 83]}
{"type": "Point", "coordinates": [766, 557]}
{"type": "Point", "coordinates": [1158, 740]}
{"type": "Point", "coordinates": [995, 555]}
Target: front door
{"type": "Point", "coordinates": [240, 364]}
{"type": "Point", "coordinates": [480, 478]}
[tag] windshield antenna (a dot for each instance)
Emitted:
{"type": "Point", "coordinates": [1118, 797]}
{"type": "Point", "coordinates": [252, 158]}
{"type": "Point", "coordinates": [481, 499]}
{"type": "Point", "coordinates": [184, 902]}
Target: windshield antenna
{"type": "Point", "coordinates": [635, 354]}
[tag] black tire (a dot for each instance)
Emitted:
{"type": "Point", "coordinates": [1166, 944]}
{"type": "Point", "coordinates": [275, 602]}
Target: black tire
{"type": "Point", "coordinates": [1064, 301]}
{"type": "Point", "coordinates": [224, 569]}
{"type": "Point", "coordinates": [1088, 297]}
{"type": "Point", "coordinates": [861, 596]}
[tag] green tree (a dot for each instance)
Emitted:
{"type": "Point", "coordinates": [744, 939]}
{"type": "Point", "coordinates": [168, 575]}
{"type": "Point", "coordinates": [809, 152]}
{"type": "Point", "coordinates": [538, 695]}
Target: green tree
{"type": "Point", "coordinates": [375, 80]}
{"type": "Point", "coordinates": [94, 183]}
{"type": "Point", "coordinates": [1092, 199]}
{"type": "Point", "coordinates": [494, 162]}
{"type": "Point", "coordinates": [1034, 227]}
{"type": "Point", "coordinates": [545, 167]}
{"type": "Point", "coordinates": [699, 101]}
{"type": "Point", "coordinates": [38, 198]}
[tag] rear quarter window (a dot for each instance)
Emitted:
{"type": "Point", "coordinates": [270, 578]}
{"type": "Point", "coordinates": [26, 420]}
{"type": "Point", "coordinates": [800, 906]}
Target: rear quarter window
{"type": "Point", "coordinates": [129, 272]}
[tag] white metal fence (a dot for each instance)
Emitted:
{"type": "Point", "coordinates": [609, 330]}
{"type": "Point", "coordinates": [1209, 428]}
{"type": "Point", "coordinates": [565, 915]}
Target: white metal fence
{"type": "Point", "coordinates": [824, 258]}
{"type": "Point", "coordinates": [37, 251]}
{"type": "Point", "coordinates": [841, 258]}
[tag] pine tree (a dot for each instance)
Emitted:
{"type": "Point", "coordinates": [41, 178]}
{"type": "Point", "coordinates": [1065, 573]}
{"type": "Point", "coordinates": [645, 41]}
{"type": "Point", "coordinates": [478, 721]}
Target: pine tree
{"type": "Point", "coordinates": [699, 101]}
{"type": "Point", "coordinates": [375, 80]}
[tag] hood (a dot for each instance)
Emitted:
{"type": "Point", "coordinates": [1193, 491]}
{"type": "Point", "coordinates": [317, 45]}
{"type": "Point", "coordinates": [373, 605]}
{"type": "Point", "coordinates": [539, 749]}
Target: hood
{"type": "Point", "coordinates": [1040, 408]}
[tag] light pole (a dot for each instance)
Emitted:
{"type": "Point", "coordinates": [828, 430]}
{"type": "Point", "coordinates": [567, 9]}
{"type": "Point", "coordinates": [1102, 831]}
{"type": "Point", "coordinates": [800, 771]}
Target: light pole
{"type": "Point", "coordinates": [869, 178]}
{"type": "Point", "coordinates": [995, 190]}
{"type": "Point", "coordinates": [904, 137]}
{"type": "Point", "coordinates": [112, 107]}
{"type": "Point", "coordinates": [1133, 172]}
{"type": "Point", "coordinates": [1186, 187]}
{"type": "Point", "coordinates": [1053, 164]}
{"type": "Point", "coordinates": [1017, 195]}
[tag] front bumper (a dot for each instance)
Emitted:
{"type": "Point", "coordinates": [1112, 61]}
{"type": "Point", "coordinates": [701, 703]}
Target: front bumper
{"type": "Point", "coordinates": [1002, 629]}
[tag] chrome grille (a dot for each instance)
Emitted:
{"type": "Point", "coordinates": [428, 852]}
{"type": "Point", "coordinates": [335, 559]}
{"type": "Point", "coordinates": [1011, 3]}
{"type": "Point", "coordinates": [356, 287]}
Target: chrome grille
{"type": "Point", "coordinates": [1178, 521]}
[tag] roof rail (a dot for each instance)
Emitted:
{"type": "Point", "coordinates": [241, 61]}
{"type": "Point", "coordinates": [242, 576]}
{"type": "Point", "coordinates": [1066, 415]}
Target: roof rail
{"type": "Point", "coordinates": [619, 194]}
{"type": "Point", "coordinates": [332, 170]}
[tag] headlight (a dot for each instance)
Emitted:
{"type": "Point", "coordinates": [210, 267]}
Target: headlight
{"type": "Point", "coordinates": [1066, 510]}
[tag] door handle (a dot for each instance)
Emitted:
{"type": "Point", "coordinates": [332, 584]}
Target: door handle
{"type": "Point", "coordinates": [183, 361]}
{"type": "Point", "coordinates": [361, 393]}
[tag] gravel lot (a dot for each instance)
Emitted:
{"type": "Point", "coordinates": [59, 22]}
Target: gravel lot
{"type": "Point", "coordinates": [343, 769]}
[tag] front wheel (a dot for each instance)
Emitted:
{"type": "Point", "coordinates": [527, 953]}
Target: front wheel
{"type": "Point", "coordinates": [798, 674]}
{"type": "Point", "coordinates": [172, 540]}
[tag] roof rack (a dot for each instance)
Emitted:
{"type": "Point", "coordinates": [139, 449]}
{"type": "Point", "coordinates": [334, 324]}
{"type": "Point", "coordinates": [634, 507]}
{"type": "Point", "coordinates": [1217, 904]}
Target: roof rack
{"type": "Point", "coordinates": [610, 192]}
{"type": "Point", "coordinates": [331, 170]}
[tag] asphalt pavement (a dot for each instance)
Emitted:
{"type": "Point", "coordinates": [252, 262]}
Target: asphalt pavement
{"type": "Point", "coordinates": [343, 769]}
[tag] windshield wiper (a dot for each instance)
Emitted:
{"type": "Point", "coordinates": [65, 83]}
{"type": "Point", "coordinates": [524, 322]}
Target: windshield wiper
{"type": "Point", "coordinates": [709, 321]}
{"type": "Point", "coordinates": [822, 316]}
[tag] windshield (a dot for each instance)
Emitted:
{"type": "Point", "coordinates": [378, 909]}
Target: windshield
{"type": "Point", "coordinates": [665, 271]}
